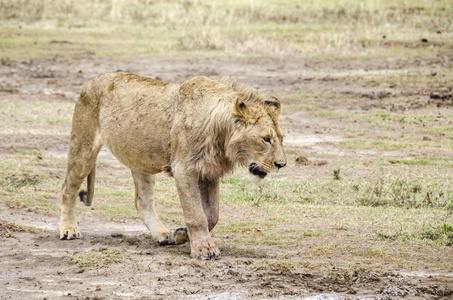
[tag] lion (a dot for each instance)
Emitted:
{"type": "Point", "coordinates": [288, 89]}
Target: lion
{"type": "Point", "coordinates": [196, 131]}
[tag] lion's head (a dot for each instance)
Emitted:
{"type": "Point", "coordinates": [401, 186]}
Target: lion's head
{"type": "Point", "coordinates": [258, 139]}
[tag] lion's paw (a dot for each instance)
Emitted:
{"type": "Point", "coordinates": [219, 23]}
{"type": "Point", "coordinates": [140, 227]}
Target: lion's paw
{"type": "Point", "coordinates": [70, 233]}
{"type": "Point", "coordinates": [205, 250]}
{"type": "Point", "coordinates": [179, 236]}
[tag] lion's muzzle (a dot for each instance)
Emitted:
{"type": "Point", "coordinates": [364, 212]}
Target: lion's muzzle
{"type": "Point", "coordinates": [256, 170]}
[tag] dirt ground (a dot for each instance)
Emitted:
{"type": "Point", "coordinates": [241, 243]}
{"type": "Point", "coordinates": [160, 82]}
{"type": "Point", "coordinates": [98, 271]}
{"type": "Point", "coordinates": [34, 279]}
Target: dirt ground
{"type": "Point", "coordinates": [35, 264]}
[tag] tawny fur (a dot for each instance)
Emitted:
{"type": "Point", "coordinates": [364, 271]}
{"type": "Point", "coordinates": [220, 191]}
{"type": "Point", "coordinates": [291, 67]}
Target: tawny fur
{"type": "Point", "coordinates": [196, 131]}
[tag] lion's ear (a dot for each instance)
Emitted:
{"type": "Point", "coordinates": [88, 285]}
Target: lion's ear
{"type": "Point", "coordinates": [244, 112]}
{"type": "Point", "coordinates": [273, 104]}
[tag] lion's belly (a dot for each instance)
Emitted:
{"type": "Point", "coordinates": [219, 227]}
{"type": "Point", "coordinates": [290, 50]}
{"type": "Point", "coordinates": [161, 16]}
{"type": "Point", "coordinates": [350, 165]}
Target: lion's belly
{"type": "Point", "coordinates": [138, 141]}
{"type": "Point", "coordinates": [146, 157]}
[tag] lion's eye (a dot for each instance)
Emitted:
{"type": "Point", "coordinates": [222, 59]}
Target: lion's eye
{"type": "Point", "coordinates": [267, 140]}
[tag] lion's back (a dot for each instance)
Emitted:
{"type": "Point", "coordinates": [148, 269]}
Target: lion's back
{"type": "Point", "coordinates": [135, 117]}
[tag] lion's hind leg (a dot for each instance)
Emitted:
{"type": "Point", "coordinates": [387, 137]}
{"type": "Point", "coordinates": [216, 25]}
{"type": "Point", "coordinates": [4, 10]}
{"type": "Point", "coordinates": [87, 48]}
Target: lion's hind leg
{"type": "Point", "coordinates": [144, 202]}
{"type": "Point", "coordinates": [77, 172]}
{"type": "Point", "coordinates": [83, 149]}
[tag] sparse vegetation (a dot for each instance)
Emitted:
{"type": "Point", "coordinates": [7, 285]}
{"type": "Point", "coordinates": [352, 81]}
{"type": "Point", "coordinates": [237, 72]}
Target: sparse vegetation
{"type": "Point", "coordinates": [382, 190]}
{"type": "Point", "coordinates": [7, 229]}
{"type": "Point", "coordinates": [100, 258]}
{"type": "Point", "coordinates": [437, 235]}
{"type": "Point", "coordinates": [12, 183]}
{"type": "Point", "coordinates": [365, 88]}
{"type": "Point", "coordinates": [336, 174]}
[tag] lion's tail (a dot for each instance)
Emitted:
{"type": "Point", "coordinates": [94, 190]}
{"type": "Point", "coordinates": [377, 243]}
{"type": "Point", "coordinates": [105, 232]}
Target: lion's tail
{"type": "Point", "coordinates": [87, 196]}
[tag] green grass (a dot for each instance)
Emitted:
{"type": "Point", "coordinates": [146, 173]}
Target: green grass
{"type": "Point", "coordinates": [381, 144]}
{"type": "Point", "coordinates": [427, 161]}
{"type": "Point", "coordinates": [324, 28]}
{"type": "Point", "coordinates": [428, 234]}
{"type": "Point", "coordinates": [324, 114]}
{"type": "Point", "coordinates": [34, 117]}
{"type": "Point", "coordinates": [405, 190]}
{"type": "Point", "coordinates": [12, 183]}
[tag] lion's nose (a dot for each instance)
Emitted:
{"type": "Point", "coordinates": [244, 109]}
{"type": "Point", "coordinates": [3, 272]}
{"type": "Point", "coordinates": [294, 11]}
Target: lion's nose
{"type": "Point", "coordinates": [278, 165]}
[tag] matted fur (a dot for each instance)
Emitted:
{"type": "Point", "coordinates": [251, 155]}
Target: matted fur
{"type": "Point", "coordinates": [196, 131]}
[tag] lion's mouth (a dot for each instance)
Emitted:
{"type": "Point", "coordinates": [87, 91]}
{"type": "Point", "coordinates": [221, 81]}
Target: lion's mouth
{"type": "Point", "coordinates": [256, 170]}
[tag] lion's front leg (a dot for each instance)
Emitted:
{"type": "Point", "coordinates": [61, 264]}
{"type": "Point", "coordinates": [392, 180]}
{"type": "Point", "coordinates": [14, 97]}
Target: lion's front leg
{"type": "Point", "coordinates": [209, 192]}
{"type": "Point", "coordinates": [201, 243]}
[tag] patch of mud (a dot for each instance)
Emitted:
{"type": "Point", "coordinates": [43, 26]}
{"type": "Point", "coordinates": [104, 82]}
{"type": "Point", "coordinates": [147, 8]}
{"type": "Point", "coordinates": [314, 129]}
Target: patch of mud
{"type": "Point", "coordinates": [37, 264]}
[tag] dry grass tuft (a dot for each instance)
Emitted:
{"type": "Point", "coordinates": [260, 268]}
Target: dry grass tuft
{"type": "Point", "coordinates": [7, 229]}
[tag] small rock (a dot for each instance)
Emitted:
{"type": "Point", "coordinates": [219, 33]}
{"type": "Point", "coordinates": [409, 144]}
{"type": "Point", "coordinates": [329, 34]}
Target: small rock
{"type": "Point", "coordinates": [302, 161]}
